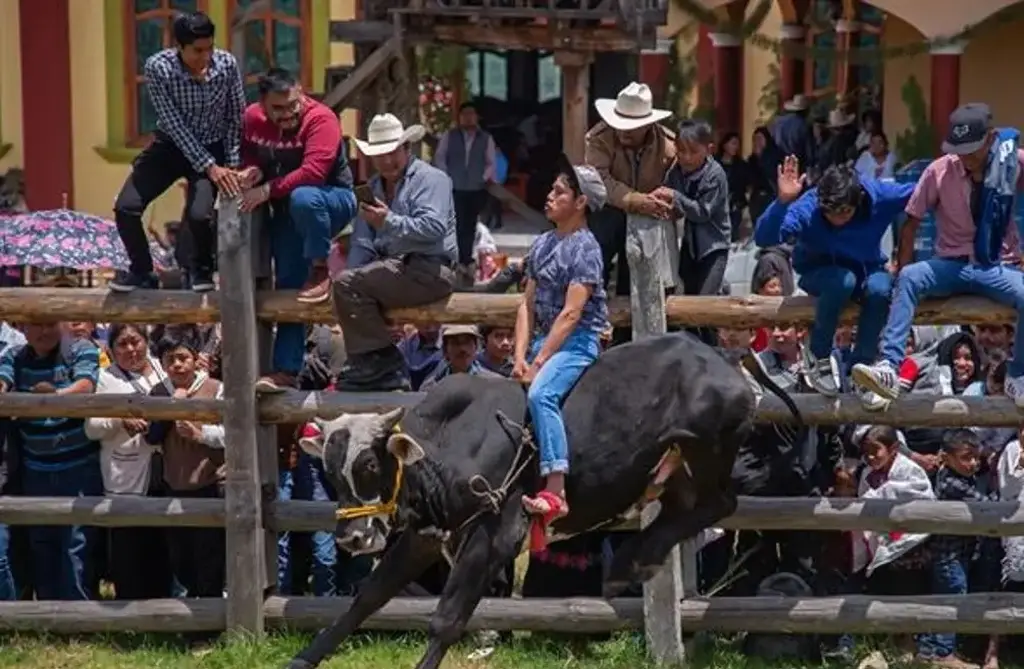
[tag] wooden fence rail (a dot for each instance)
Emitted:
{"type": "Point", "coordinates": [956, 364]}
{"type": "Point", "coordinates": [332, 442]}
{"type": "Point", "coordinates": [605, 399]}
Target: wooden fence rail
{"type": "Point", "coordinates": [994, 519]}
{"type": "Point", "coordinates": [858, 614]}
{"type": "Point", "coordinates": [296, 406]}
{"type": "Point", "coordinates": [42, 305]}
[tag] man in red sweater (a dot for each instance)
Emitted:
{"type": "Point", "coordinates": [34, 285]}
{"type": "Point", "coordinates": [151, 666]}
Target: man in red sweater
{"type": "Point", "coordinates": [295, 160]}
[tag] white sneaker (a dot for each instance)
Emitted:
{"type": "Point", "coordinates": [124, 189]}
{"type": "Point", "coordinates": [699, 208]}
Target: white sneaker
{"type": "Point", "coordinates": [1014, 389]}
{"type": "Point", "coordinates": [880, 378]}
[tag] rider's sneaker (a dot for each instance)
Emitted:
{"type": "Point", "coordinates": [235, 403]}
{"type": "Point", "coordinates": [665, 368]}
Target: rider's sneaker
{"type": "Point", "coordinates": [872, 401]}
{"type": "Point", "coordinates": [880, 378]}
{"type": "Point", "coordinates": [821, 374]}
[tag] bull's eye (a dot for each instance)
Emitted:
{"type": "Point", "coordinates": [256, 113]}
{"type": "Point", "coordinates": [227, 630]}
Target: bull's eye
{"type": "Point", "coordinates": [372, 467]}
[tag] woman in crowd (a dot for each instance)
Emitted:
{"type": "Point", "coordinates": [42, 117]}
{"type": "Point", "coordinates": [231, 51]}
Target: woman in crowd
{"type": "Point", "coordinates": [137, 556]}
{"type": "Point", "coordinates": [737, 172]}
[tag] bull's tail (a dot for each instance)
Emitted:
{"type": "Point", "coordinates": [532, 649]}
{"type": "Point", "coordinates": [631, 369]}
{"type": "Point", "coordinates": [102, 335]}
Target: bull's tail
{"type": "Point", "coordinates": [753, 366]}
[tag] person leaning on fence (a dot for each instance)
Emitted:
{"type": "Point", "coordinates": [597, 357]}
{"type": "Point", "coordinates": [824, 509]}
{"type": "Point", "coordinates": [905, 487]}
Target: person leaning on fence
{"type": "Point", "coordinates": [197, 93]}
{"type": "Point", "coordinates": [838, 227]}
{"type": "Point", "coordinates": [560, 322]}
{"type": "Point", "coordinates": [403, 254]}
{"type": "Point", "coordinates": [972, 190]}
{"type": "Point", "coordinates": [631, 150]}
{"type": "Point", "coordinates": [292, 146]}
{"type": "Point", "coordinates": [54, 457]}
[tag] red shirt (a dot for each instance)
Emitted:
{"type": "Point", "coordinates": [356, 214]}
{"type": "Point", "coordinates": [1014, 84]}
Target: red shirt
{"type": "Point", "coordinates": [305, 156]}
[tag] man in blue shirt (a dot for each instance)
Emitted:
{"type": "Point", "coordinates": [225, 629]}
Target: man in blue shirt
{"type": "Point", "coordinates": [53, 456]}
{"type": "Point", "coordinates": [837, 228]}
{"type": "Point", "coordinates": [403, 254]}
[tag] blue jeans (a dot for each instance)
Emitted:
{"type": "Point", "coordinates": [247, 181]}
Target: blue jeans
{"type": "Point", "coordinates": [835, 287]}
{"type": "Point", "coordinates": [62, 556]}
{"type": "Point", "coordinates": [949, 577]}
{"type": "Point", "coordinates": [8, 593]}
{"type": "Point", "coordinates": [550, 387]}
{"type": "Point", "coordinates": [943, 277]}
{"type": "Point", "coordinates": [301, 233]}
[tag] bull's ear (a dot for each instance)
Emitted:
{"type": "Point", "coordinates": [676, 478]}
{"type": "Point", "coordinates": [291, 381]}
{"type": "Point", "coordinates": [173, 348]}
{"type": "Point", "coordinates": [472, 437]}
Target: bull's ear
{"type": "Point", "coordinates": [389, 420]}
{"type": "Point", "coordinates": [405, 448]}
{"type": "Point", "coordinates": [311, 440]}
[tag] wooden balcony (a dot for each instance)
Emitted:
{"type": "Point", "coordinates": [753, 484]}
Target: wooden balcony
{"type": "Point", "coordinates": [576, 25]}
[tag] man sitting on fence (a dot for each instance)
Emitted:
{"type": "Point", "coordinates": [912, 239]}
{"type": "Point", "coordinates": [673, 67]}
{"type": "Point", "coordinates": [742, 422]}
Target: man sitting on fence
{"type": "Point", "coordinates": [292, 144]}
{"type": "Point", "coordinates": [403, 254]}
{"type": "Point", "coordinates": [972, 190]}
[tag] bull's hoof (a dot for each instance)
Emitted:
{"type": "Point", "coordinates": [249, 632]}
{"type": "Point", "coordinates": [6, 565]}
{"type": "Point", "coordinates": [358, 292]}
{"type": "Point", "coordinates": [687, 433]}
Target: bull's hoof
{"type": "Point", "coordinates": [299, 664]}
{"type": "Point", "coordinates": [613, 589]}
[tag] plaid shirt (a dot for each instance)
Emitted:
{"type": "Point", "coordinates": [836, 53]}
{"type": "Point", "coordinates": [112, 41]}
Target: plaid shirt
{"type": "Point", "coordinates": [196, 113]}
{"type": "Point", "coordinates": [952, 486]}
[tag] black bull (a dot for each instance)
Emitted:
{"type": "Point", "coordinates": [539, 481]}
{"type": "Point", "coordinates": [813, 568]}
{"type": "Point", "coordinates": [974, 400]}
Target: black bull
{"type": "Point", "coordinates": [627, 410]}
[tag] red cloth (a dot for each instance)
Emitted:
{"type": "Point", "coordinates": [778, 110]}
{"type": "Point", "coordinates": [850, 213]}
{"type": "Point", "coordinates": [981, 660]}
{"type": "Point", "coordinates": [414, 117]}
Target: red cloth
{"type": "Point", "coordinates": [306, 157]}
{"type": "Point", "coordinates": [761, 338]}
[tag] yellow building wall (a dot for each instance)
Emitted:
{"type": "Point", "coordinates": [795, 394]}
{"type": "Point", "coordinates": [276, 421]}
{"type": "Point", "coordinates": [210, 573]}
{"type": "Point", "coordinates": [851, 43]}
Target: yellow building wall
{"type": "Point", "coordinates": [757, 74]}
{"type": "Point", "coordinates": [98, 175]}
{"type": "Point", "coordinates": [10, 87]}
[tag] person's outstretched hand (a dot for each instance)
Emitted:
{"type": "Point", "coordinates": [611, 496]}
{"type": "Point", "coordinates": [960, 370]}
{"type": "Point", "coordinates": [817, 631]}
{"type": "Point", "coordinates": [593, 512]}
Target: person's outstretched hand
{"type": "Point", "coordinates": [791, 182]}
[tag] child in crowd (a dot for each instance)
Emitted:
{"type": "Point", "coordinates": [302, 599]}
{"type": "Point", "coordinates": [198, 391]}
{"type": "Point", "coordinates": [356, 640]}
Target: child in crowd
{"type": "Point", "coordinates": [698, 188]}
{"type": "Point", "coordinates": [952, 555]}
{"type": "Point", "coordinates": [838, 227]}
{"type": "Point", "coordinates": [993, 439]}
{"type": "Point", "coordinates": [1010, 474]}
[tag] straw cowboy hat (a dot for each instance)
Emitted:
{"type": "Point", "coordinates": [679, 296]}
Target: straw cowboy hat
{"type": "Point", "coordinates": [386, 133]}
{"type": "Point", "coordinates": [632, 109]}
{"type": "Point", "coordinates": [798, 103]}
{"type": "Point", "coordinates": [837, 118]}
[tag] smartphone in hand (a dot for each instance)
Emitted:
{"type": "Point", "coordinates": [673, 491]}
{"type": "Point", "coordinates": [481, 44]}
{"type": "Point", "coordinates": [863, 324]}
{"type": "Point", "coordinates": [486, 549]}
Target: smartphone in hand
{"type": "Point", "coordinates": [364, 194]}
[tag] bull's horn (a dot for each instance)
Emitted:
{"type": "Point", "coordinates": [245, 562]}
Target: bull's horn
{"type": "Point", "coordinates": [389, 420]}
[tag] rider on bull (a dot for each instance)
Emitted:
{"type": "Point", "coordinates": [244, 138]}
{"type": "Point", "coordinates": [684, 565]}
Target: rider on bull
{"type": "Point", "coordinates": [560, 322]}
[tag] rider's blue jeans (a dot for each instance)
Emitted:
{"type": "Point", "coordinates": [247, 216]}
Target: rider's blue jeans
{"type": "Point", "coordinates": [550, 387]}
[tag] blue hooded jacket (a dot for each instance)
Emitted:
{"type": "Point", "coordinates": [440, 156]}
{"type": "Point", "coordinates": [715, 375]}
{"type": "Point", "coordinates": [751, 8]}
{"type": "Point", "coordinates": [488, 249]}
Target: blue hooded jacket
{"type": "Point", "coordinates": [856, 246]}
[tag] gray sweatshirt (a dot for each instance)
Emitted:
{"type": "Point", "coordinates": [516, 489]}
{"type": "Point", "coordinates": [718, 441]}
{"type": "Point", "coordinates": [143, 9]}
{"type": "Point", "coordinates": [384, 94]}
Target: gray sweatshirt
{"type": "Point", "coordinates": [702, 197]}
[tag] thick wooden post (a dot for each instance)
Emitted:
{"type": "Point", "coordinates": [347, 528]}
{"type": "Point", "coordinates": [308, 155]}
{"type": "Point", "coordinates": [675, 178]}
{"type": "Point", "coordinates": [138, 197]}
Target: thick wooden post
{"type": "Point", "coordinates": [575, 100]}
{"type": "Point", "coordinates": [244, 515]}
{"type": "Point", "coordinates": [664, 592]}
{"type": "Point", "coordinates": [266, 435]}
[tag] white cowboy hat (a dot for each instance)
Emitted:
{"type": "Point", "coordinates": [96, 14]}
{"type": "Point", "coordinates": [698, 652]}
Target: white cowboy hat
{"type": "Point", "coordinates": [837, 118]}
{"type": "Point", "coordinates": [633, 108]}
{"type": "Point", "coordinates": [386, 134]}
{"type": "Point", "coordinates": [798, 103]}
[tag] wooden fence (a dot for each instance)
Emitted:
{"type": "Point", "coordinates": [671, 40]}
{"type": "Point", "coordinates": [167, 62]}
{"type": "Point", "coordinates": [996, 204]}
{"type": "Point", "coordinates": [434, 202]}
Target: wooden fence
{"type": "Point", "coordinates": [251, 514]}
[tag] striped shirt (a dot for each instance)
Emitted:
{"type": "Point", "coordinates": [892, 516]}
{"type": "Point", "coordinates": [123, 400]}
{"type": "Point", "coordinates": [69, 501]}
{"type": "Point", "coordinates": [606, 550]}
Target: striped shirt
{"type": "Point", "coordinates": [195, 113]}
{"type": "Point", "coordinates": [51, 444]}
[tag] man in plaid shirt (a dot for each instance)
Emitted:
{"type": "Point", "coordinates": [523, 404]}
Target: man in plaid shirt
{"type": "Point", "coordinates": [198, 96]}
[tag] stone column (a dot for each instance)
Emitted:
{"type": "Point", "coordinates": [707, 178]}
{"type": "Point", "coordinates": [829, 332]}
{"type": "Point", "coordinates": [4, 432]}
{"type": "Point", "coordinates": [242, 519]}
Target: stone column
{"type": "Point", "coordinates": [654, 69]}
{"type": "Point", "coordinates": [945, 93]}
{"type": "Point", "coordinates": [791, 68]}
{"type": "Point", "coordinates": [728, 82]}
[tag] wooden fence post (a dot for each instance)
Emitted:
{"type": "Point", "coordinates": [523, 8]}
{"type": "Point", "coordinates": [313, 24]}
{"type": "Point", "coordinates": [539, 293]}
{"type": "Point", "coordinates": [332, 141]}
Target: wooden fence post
{"type": "Point", "coordinates": [244, 515]}
{"type": "Point", "coordinates": [664, 592]}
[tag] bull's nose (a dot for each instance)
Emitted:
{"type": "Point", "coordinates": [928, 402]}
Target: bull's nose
{"type": "Point", "coordinates": [354, 542]}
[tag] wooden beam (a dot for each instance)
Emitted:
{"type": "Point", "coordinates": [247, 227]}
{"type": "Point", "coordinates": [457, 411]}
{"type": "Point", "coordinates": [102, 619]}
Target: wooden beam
{"type": "Point", "coordinates": [242, 499]}
{"type": "Point", "coordinates": [360, 31]}
{"type": "Point", "coordinates": [993, 519]}
{"type": "Point", "coordinates": [363, 75]}
{"type": "Point", "coordinates": [31, 405]}
{"type": "Point", "coordinates": [49, 305]}
{"type": "Point", "coordinates": [527, 37]}
{"type": "Point", "coordinates": [575, 101]}
{"type": "Point", "coordinates": [983, 614]}
{"type": "Point", "coordinates": [296, 406]}
{"type": "Point", "coordinates": [119, 511]}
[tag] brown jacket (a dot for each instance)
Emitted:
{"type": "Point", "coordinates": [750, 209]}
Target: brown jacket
{"type": "Point", "coordinates": [191, 465]}
{"type": "Point", "coordinates": [615, 162]}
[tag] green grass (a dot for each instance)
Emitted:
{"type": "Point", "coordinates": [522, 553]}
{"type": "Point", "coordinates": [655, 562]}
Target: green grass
{"type": "Point", "coordinates": [363, 652]}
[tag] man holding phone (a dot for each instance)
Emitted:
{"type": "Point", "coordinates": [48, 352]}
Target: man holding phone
{"type": "Point", "coordinates": [296, 161]}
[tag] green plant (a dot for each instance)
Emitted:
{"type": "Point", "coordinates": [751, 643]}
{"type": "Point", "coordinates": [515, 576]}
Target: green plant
{"type": "Point", "coordinates": [768, 100]}
{"type": "Point", "coordinates": [682, 76]}
{"type": "Point", "coordinates": [918, 140]}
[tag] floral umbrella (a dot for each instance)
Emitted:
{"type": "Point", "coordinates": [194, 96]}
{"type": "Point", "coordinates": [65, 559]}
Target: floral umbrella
{"type": "Point", "coordinates": [61, 238]}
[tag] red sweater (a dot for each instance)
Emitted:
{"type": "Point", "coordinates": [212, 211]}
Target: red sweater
{"type": "Point", "coordinates": [307, 156]}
